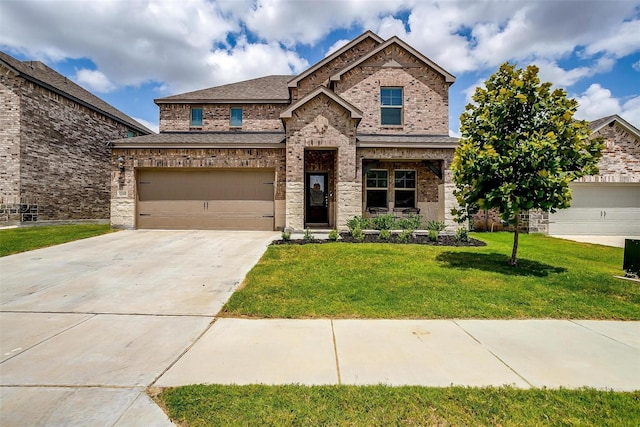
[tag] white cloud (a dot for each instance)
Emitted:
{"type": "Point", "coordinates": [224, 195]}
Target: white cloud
{"type": "Point", "coordinates": [636, 66]}
{"type": "Point", "coordinates": [597, 102]}
{"type": "Point", "coordinates": [551, 72]}
{"type": "Point", "coordinates": [94, 80]}
{"type": "Point", "coordinates": [336, 46]}
{"type": "Point", "coordinates": [151, 125]}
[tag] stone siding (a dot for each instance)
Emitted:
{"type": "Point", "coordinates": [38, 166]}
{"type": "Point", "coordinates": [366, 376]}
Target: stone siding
{"type": "Point", "coordinates": [123, 184]}
{"type": "Point", "coordinates": [217, 117]}
{"type": "Point", "coordinates": [63, 158]}
{"type": "Point", "coordinates": [425, 93]}
{"type": "Point", "coordinates": [9, 151]}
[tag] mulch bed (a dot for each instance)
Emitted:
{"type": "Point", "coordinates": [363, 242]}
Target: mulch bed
{"type": "Point", "coordinates": [443, 240]}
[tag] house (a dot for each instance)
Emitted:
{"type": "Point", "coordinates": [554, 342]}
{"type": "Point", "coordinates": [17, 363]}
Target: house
{"type": "Point", "coordinates": [607, 203]}
{"type": "Point", "coordinates": [603, 204]}
{"type": "Point", "coordinates": [361, 132]}
{"type": "Point", "coordinates": [54, 163]}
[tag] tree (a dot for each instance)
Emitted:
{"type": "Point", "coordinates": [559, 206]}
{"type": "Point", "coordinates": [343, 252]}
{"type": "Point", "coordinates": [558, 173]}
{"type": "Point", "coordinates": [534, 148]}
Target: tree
{"type": "Point", "coordinates": [520, 148]}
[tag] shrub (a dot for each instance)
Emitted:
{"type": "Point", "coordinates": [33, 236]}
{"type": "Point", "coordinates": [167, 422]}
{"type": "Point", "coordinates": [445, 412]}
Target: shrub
{"type": "Point", "coordinates": [384, 222]}
{"type": "Point", "coordinates": [433, 235]}
{"type": "Point", "coordinates": [412, 222]}
{"type": "Point", "coordinates": [333, 235]}
{"type": "Point", "coordinates": [358, 222]}
{"type": "Point", "coordinates": [462, 235]}
{"type": "Point", "coordinates": [405, 236]}
{"type": "Point", "coordinates": [308, 237]}
{"type": "Point", "coordinates": [435, 225]}
{"type": "Point", "coordinates": [357, 234]}
{"type": "Point", "coordinates": [286, 236]}
{"type": "Point", "coordinates": [385, 235]}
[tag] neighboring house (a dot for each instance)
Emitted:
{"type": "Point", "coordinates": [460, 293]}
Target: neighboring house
{"type": "Point", "coordinates": [363, 131]}
{"type": "Point", "coordinates": [603, 204]}
{"type": "Point", "coordinates": [54, 157]}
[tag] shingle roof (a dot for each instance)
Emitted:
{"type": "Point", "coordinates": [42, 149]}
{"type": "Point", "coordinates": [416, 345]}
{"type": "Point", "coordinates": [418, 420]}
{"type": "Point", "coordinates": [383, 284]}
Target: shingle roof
{"type": "Point", "coordinates": [405, 141]}
{"type": "Point", "coordinates": [40, 74]}
{"type": "Point", "coordinates": [203, 140]}
{"type": "Point", "coordinates": [269, 89]}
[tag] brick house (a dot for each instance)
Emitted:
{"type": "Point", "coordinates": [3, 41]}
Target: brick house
{"type": "Point", "coordinates": [363, 131]}
{"type": "Point", "coordinates": [603, 204]}
{"type": "Point", "coordinates": [54, 160]}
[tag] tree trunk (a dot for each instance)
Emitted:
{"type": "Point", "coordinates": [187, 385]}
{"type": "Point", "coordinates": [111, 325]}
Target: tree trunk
{"type": "Point", "coordinates": [514, 251]}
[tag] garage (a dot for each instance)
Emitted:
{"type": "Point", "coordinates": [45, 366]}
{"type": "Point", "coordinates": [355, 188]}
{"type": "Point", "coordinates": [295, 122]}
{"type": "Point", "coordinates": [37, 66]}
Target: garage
{"type": "Point", "coordinates": [211, 199]}
{"type": "Point", "coordinates": [600, 209]}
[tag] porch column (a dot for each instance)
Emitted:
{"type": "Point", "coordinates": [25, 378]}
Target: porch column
{"type": "Point", "coordinates": [450, 201]}
{"type": "Point", "coordinates": [294, 206]}
{"type": "Point", "coordinates": [348, 186]}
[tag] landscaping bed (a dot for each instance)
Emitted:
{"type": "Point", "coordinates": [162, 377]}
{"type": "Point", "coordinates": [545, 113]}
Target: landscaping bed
{"type": "Point", "coordinates": [418, 239]}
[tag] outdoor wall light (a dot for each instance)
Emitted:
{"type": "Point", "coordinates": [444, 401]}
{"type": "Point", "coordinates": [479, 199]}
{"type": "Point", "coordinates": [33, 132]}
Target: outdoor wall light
{"type": "Point", "coordinates": [121, 163]}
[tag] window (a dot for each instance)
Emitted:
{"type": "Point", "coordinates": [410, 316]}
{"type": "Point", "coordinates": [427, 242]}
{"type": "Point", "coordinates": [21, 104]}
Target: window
{"type": "Point", "coordinates": [196, 117]}
{"type": "Point", "coordinates": [377, 184]}
{"type": "Point", "coordinates": [405, 188]}
{"type": "Point", "coordinates": [391, 106]}
{"type": "Point", "coordinates": [236, 117]}
{"type": "Point", "coordinates": [130, 134]}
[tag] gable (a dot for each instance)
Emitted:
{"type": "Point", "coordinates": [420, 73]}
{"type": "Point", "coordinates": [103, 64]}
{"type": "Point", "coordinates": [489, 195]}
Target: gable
{"type": "Point", "coordinates": [319, 93]}
{"type": "Point", "coordinates": [395, 43]}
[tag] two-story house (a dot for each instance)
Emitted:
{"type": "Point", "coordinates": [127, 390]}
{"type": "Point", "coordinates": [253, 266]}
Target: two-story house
{"type": "Point", "coordinates": [363, 131]}
{"type": "Point", "coordinates": [54, 163]}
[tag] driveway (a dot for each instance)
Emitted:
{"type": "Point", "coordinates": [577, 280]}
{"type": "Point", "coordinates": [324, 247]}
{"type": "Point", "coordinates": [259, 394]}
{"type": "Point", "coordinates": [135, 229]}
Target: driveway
{"type": "Point", "coordinates": [86, 326]}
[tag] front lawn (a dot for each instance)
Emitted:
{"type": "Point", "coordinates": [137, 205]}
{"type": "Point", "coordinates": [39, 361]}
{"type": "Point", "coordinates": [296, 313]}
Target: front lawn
{"type": "Point", "coordinates": [555, 279]}
{"type": "Point", "coordinates": [296, 405]}
{"type": "Point", "coordinates": [15, 240]}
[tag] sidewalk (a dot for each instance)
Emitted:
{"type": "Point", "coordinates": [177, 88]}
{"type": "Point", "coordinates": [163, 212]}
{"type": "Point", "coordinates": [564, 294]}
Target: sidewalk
{"type": "Point", "coordinates": [440, 353]}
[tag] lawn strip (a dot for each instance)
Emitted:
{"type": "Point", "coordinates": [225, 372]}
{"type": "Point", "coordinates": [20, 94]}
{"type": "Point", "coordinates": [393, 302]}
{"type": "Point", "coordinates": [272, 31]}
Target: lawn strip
{"type": "Point", "coordinates": [297, 405]}
{"type": "Point", "coordinates": [16, 240]}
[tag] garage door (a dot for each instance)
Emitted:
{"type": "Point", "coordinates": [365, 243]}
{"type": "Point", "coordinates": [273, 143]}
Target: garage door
{"type": "Point", "coordinates": [206, 199]}
{"type": "Point", "coordinates": [599, 209]}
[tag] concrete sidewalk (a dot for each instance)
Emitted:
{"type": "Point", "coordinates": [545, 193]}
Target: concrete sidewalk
{"type": "Point", "coordinates": [522, 353]}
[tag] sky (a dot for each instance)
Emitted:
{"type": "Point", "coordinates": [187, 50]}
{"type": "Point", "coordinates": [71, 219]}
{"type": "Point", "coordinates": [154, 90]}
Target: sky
{"type": "Point", "coordinates": [130, 52]}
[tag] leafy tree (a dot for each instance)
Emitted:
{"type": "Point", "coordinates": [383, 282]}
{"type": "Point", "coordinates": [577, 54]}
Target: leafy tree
{"type": "Point", "coordinates": [520, 148]}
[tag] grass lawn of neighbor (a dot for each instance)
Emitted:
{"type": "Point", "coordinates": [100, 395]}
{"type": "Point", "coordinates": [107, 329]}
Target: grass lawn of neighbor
{"type": "Point", "coordinates": [15, 240]}
{"type": "Point", "coordinates": [554, 279]}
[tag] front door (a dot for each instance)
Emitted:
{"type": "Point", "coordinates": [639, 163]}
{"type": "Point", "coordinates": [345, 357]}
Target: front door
{"type": "Point", "coordinates": [317, 199]}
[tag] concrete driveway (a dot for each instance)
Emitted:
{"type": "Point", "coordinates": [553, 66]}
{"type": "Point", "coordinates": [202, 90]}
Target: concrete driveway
{"type": "Point", "coordinates": [86, 326]}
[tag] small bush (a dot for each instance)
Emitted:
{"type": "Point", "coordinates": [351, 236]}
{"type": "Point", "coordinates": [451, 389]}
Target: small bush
{"type": "Point", "coordinates": [385, 235]}
{"type": "Point", "coordinates": [435, 225]}
{"type": "Point", "coordinates": [384, 222]}
{"type": "Point", "coordinates": [308, 237]}
{"type": "Point", "coordinates": [412, 222]}
{"type": "Point", "coordinates": [333, 235]}
{"type": "Point", "coordinates": [405, 236]}
{"type": "Point", "coordinates": [286, 236]}
{"type": "Point", "coordinates": [462, 235]}
{"type": "Point", "coordinates": [433, 235]}
{"type": "Point", "coordinates": [358, 222]}
{"type": "Point", "coordinates": [357, 234]}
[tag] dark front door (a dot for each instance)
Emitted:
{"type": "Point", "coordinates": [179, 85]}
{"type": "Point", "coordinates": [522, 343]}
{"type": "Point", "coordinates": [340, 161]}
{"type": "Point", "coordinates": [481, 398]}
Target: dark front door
{"type": "Point", "coordinates": [317, 198]}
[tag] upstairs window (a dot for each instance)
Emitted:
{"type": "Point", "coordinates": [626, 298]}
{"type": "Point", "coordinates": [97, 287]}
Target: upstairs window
{"type": "Point", "coordinates": [391, 106]}
{"type": "Point", "coordinates": [236, 117]}
{"type": "Point", "coordinates": [405, 188]}
{"type": "Point", "coordinates": [377, 184]}
{"type": "Point", "coordinates": [130, 134]}
{"type": "Point", "coordinates": [196, 117]}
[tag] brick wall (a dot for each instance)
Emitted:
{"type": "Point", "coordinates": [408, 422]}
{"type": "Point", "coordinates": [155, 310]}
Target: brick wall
{"type": "Point", "coordinates": [216, 117]}
{"type": "Point", "coordinates": [63, 156]}
{"type": "Point", "coordinates": [425, 93]}
{"type": "Point", "coordinates": [620, 158]}
{"type": "Point", "coordinates": [123, 184]}
{"type": "Point", "coordinates": [9, 150]}
{"type": "Point", "coordinates": [321, 76]}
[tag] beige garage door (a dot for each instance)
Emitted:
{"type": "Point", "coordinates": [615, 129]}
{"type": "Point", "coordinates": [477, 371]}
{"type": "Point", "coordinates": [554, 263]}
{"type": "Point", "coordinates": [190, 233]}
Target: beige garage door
{"type": "Point", "coordinates": [206, 199]}
{"type": "Point", "coordinates": [599, 209]}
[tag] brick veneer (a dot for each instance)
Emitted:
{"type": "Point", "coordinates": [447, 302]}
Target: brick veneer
{"type": "Point", "coordinates": [216, 117]}
{"type": "Point", "coordinates": [53, 155]}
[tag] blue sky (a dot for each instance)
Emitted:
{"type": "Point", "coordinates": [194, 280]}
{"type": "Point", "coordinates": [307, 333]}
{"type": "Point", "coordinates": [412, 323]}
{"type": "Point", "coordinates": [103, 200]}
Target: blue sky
{"type": "Point", "coordinates": [129, 52]}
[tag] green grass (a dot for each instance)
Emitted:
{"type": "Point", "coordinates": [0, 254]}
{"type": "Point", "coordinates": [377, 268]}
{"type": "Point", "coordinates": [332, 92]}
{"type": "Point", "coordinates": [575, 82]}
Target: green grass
{"type": "Point", "coordinates": [15, 240]}
{"type": "Point", "coordinates": [296, 405]}
{"type": "Point", "coordinates": [554, 279]}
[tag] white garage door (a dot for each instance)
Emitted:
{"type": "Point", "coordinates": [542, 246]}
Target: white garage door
{"type": "Point", "coordinates": [236, 199]}
{"type": "Point", "coordinates": [599, 209]}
